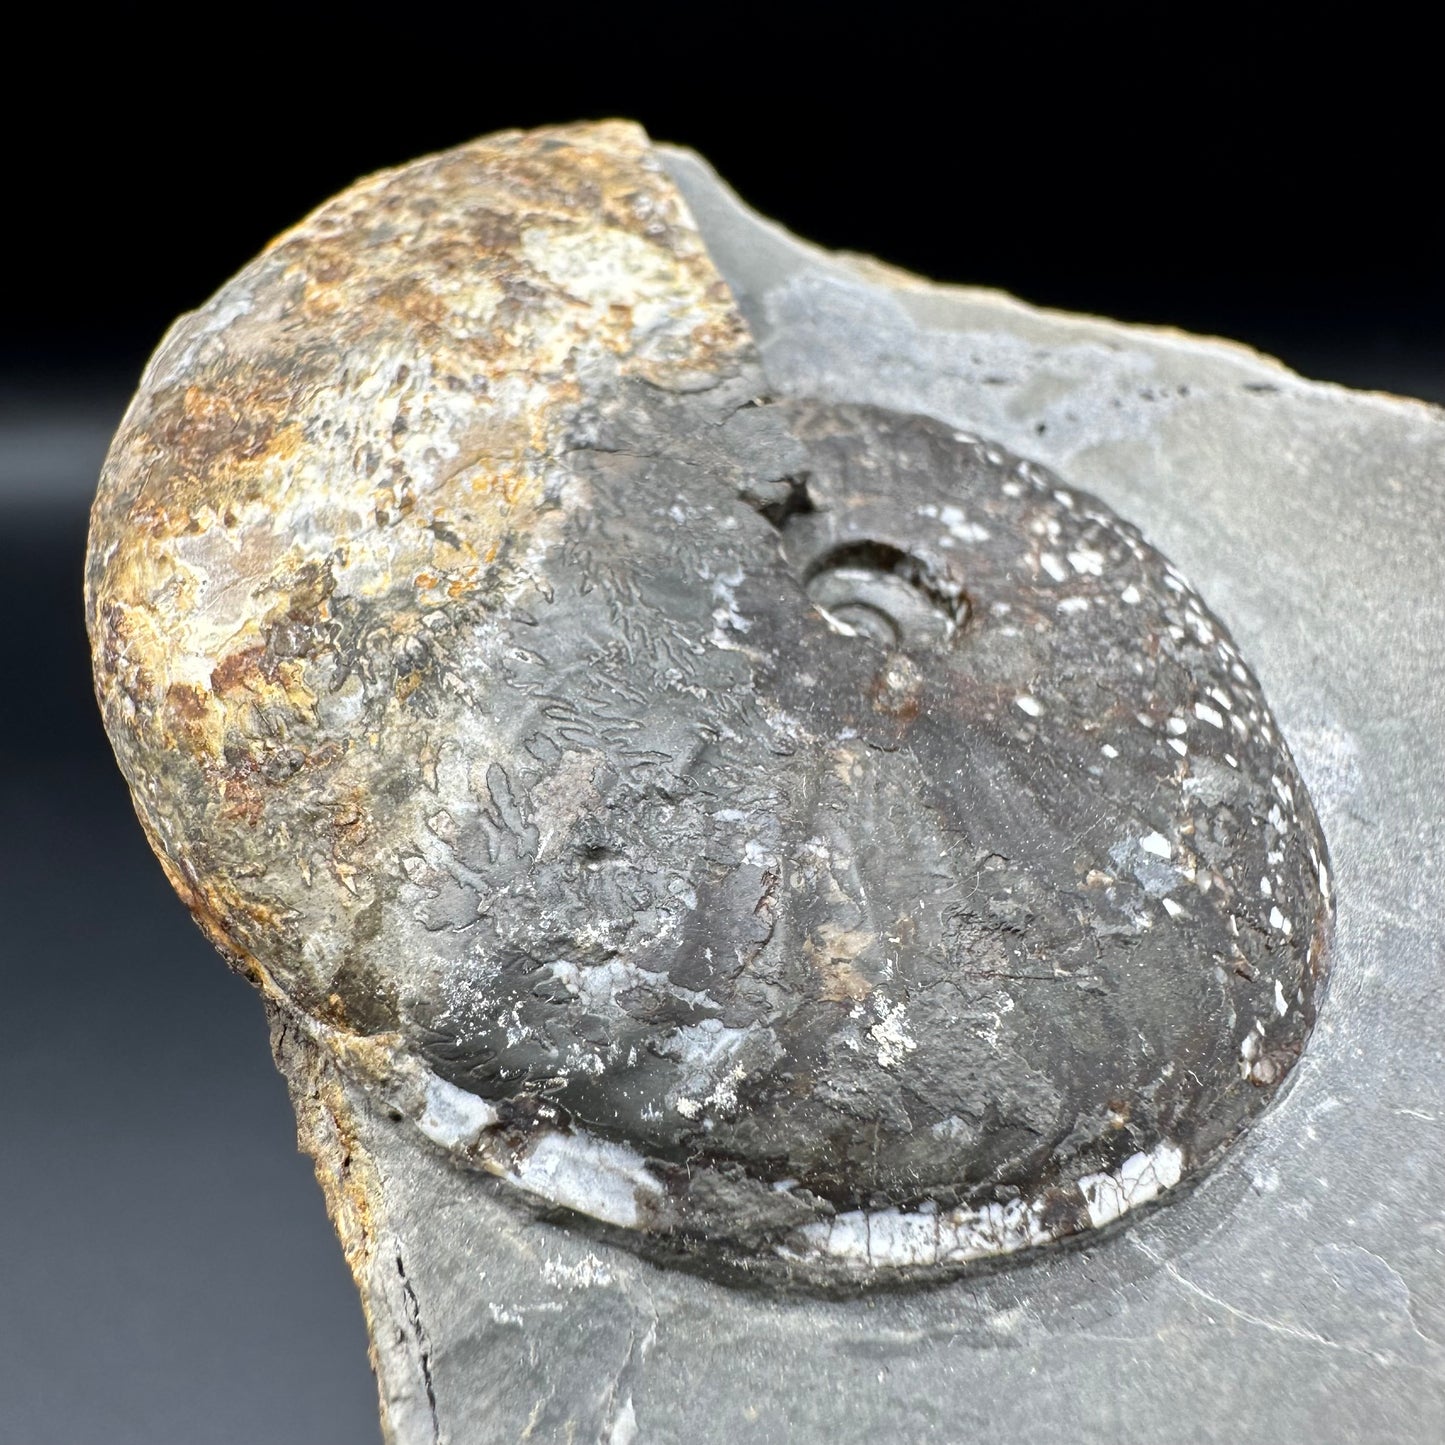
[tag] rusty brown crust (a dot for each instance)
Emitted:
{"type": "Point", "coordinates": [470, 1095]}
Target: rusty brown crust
{"type": "Point", "coordinates": [261, 476]}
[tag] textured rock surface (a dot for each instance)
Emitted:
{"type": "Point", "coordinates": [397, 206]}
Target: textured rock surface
{"type": "Point", "coordinates": [1291, 1264]}
{"type": "Point", "coordinates": [805, 835]}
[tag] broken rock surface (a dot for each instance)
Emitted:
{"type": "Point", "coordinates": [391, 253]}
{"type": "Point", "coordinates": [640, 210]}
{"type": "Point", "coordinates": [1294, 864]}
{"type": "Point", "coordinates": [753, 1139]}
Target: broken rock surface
{"type": "Point", "coordinates": [672, 764]}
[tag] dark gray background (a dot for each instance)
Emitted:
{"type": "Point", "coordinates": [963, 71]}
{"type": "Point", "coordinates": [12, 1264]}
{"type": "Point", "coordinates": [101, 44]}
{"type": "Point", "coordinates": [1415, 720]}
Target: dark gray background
{"type": "Point", "coordinates": [166, 1269]}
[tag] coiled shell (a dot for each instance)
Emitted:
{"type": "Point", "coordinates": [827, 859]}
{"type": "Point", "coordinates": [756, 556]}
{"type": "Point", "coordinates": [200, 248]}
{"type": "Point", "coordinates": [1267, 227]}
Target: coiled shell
{"type": "Point", "coordinates": [801, 837]}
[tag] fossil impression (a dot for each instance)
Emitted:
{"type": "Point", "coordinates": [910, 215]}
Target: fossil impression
{"type": "Point", "coordinates": [803, 840]}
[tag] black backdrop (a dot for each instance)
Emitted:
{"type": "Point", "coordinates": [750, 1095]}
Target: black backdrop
{"type": "Point", "coordinates": [1280, 186]}
{"type": "Point", "coordinates": [166, 1272]}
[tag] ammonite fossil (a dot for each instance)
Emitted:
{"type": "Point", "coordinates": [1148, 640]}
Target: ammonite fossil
{"type": "Point", "coordinates": [801, 838]}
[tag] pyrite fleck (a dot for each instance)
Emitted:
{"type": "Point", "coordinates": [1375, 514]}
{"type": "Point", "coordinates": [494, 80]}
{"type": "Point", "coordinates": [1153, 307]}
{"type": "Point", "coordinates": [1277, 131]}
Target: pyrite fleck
{"type": "Point", "coordinates": [799, 837]}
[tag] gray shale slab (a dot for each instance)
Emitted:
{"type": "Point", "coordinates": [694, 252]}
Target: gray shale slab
{"type": "Point", "coordinates": [1298, 1293]}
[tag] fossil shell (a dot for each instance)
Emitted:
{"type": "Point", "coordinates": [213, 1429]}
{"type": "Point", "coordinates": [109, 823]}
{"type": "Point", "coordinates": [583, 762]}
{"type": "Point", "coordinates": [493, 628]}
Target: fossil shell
{"type": "Point", "coordinates": [802, 837]}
